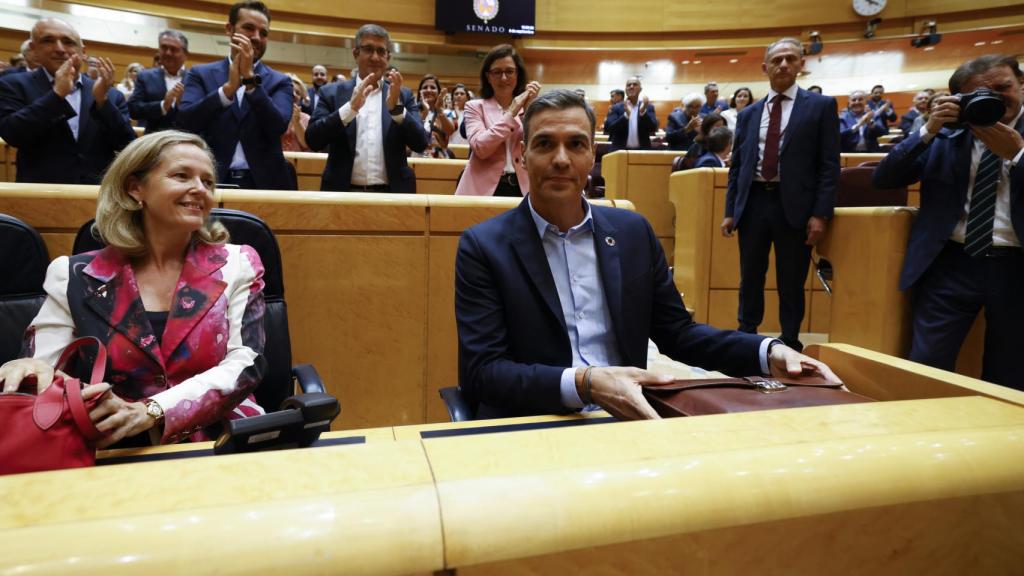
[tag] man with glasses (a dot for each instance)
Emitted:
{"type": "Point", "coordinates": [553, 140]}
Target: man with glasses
{"type": "Point", "coordinates": [365, 123]}
{"type": "Point", "coordinates": [631, 123]}
{"type": "Point", "coordinates": [158, 91]}
{"type": "Point", "coordinates": [241, 107]}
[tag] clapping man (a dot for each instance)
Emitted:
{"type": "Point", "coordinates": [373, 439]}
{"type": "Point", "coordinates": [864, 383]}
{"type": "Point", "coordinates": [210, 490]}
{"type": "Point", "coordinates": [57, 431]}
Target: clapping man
{"type": "Point", "coordinates": [631, 123]}
{"type": "Point", "coordinates": [158, 91]}
{"type": "Point", "coordinates": [860, 127]}
{"type": "Point", "coordinates": [880, 106]}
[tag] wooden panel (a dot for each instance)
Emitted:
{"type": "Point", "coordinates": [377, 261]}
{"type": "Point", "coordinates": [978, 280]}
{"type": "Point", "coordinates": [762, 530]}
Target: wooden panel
{"type": "Point", "coordinates": [724, 305]}
{"type": "Point", "coordinates": [58, 243]}
{"type": "Point", "coordinates": [332, 211]}
{"type": "Point", "coordinates": [819, 312]}
{"type": "Point", "coordinates": [443, 340]}
{"type": "Point", "coordinates": [435, 186]}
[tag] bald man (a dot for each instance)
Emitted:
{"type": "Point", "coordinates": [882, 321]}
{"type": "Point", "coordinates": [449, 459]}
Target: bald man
{"type": "Point", "coordinates": [313, 96]}
{"type": "Point", "coordinates": [66, 126]}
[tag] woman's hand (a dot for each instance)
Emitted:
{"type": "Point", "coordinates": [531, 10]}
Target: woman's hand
{"type": "Point", "coordinates": [12, 373]}
{"type": "Point", "coordinates": [113, 417]}
{"type": "Point", "coordinates": [523, 100]}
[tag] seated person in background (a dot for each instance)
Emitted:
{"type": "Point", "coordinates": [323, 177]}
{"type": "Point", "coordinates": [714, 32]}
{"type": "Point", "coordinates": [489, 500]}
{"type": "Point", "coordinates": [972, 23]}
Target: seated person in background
{"type": "Point", "coordinates": [241, 106]}
{"type": "Point", "coordinates": [880, 106]}
{"type": "Point", "coordinates": [741, 98]}
{"type": "Point", "coordinates": [555, 300]}
{"type": "Point", "coordinates": [294, 139]}
{"type": "Point", "coordinates": [180, 311]}
{"type": "Point", "coordinates": [920, 108]}
{"type": "Point", "coordinates": [697, 148]}
{"type": "Point", "coordinates": [436, 120]}
{"type": "Point", "coordinates": [712, 103]}
{"type": "Point", "coordinates": [860, 127]}
{"type": "Point", "coordinates": [922, 119]}
{"type": "Point", "coordinates": [366, 123]}
{"type": "Point", "coordinates": [460, 95]}
{"type": "Point", "coordinates": [66, 126]}
{"type": "Point", "coordinates": [632, 122]}
{"type": "Point", "coordinates": [719, 147]}
{"type": "Point", "coordinates": [158, 90]}
{"type": "Point", "coordinates": [684, 122]}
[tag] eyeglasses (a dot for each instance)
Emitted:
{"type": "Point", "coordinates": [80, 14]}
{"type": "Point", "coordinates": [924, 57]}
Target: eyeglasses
{"type": "Point", "coordinates": [371, 50]}
{"type": "Point", "coordinates": [498, 73]}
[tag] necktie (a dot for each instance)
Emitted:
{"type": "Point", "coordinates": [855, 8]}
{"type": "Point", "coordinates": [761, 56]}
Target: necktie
{"type": "Point", "coordinates": [983, 205]}
{"type": "Point", "coordinates": [770, 164]}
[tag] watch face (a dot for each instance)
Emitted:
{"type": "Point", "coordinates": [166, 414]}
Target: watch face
{"type": "Point", "coordinates": [868, 7]}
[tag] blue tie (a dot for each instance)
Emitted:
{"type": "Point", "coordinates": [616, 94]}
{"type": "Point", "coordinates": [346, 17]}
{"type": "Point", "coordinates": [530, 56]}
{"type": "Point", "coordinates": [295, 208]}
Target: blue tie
{"type": "Point", "coordinates": [982, 214]}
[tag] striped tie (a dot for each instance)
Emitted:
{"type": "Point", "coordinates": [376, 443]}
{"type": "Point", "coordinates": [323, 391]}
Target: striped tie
{"type": "Point", "coordinates": [983, 205]}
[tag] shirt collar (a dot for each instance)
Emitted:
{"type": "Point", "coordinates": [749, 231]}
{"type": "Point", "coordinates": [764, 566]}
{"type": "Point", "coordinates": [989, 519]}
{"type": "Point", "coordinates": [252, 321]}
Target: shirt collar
{"type": "Point", "coordinates": [543, 225]}
{"type": "Point", "coordinates": [181, 71]}
{"type": "Point", "coordinates": [789, 93]}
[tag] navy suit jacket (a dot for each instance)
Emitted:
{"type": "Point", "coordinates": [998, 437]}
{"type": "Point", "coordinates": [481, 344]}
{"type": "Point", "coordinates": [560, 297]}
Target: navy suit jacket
{"type": "Point", "coordinates": [616, 126]}
{"type": "Point", "coordinates": [943, 166]}
{"type": "Point", "coordinates": [326, 131]}
{"type": "Point", "coordinates": [144, 104]}
{"type": "Point", "coordinates": [675, 130]}
{"type": "Point", "coordinates": [808, 159]}
{"type": "Point", "coordinates": [33, 119]}
{"type": "Point", "coordinates": [890, 114]}
{"type": "Point", "coordinates": [513, 344]}
{"type": "Point", "coordinates": [258, 123]}
{"type": "Point", "coordinates": [908, 120]}
{"type": "Point", "coordinates": [709, 160]}
{"type": "Point", "coordinates": [848, 137]}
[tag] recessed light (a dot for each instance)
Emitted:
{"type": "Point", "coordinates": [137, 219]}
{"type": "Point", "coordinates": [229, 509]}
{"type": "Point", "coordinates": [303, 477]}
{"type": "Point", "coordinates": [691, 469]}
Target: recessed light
{"type": "Point", "coordinates": [982, 43]}
{"type": "Point", "coordinates": [686, 61]}
{"type": "Point", "coordinates": [734, 60]}
{"type": "Point", "coordinates": [696, 61]}
{"type": "Point", "coordinates": [929, 48]}
{"type": "Point", "coordinates": [994, 42]}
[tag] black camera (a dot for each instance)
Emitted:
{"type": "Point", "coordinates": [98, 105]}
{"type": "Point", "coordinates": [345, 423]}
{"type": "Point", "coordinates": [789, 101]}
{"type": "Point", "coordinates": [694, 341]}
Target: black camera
{"type": "Point", "coordinates": [983, 107]}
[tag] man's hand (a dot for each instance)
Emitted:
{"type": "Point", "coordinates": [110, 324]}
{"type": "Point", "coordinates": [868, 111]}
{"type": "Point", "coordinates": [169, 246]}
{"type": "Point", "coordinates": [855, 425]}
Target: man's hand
{"type": "Point", "coordinates": [173, 96]}
{"type": "Point", "coordinates": [694, 123]}
{"type": "Point", "coordinates": [67, 75]}
{"type": "Point", "coordinates": [394, 77]}
{"type": "Point", "coordinates": [816, 227]}
{"type": "Point", "coordinates": [362, 90]}
{"type": "Point", "coordinates": [786, 362]}
{"type": "Point", "coordinates": [644, 102]}
{"type": "Point", "coordinates": [245, 54]}
{"type": "Point", "coordinates": [727, 227]}
{"type": "Point", "coordinates": [104, 80]}
{"type": "Point", "coordinates": [1002, 140]}
{"type": "Point", "coordinates": [617, 390]}
{"type": "Point", "coordinates": [945, 111]}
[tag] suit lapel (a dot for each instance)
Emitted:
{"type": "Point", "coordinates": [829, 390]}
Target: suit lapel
{"type": "Point", "coordinates": [796, 116]}
{"type": "Point", "coordinates": [385, 114]}
{"type": "Point", "coordinates": [113, 295]}
{"type": "Point", "coordinates": [530, 252]}
{"type": "Point", "coordinates": [609, 263]}
{"type": "Point", "coordinates": [195, 294]}
{"type": "Point", "coordinates": [754, 128]}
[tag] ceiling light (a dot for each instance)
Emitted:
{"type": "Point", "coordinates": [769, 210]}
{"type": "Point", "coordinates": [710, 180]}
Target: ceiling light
{"type": "Point", "coordinates": [929, 49]}
{"type": "Point", "coordinates": [982, 43]}
{"type": "Point", "coordinates": [734, 60]}
{"type": "Point", "coordinates": [994, 42]}
{"type": "Point", "coordinates": [686, 62]}
{"type": "Point", "coordinates": [696, 61]}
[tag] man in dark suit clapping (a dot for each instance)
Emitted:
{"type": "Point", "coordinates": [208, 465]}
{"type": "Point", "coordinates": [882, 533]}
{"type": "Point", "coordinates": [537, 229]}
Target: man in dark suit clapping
{"type": "Point", "coordinates": [782, 188]}
{"type": "Point", "coordinates": [158, 91]}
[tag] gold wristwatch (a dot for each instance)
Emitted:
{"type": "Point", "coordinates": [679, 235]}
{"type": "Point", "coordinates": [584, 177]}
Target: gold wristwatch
{"type": "Point", "coordinates": [154, 411]}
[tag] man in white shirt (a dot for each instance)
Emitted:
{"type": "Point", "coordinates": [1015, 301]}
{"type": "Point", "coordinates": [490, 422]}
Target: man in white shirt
{"type": "Point", "coordinates": [158, 91]}
{"type": "Point", "coordinates": [367, 122]}
{"type": "Point", "coordinates": [632, 122]}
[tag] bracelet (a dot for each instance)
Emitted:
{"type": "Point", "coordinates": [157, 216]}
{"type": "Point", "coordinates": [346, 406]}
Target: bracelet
{"type": "Point", "coordinates": [587, 399]}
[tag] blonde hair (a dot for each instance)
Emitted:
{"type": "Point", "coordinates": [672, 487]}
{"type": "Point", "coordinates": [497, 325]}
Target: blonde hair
{"type": "Point", "coordinates": [298, 81]}
{"type": "Point", "coordinates": [119, 216]}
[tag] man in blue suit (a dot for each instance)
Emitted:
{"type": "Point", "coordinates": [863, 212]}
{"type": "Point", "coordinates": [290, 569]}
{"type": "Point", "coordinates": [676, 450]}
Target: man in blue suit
{"type": "Point", "coordinates": [719, 148]}
{"type": "Point", "coordinates": [555, 300]}
{"type": "Point", "coordinates": [711, 101]}
{"type": "Point", "coordinates": [964, 253]}
{"type": "Point", "coordinates": [312, 98]}
{"type": "Point", "coordinates": [65, 126]}
{"type": "Point", "coordinates": [367, 122]}
{"type": "Point", "coordinates": [921, 101]}
{"type": "Point", "coordinates": [158, 91]}
{"type": "Point", "coordinates": [782, 188]}
{"type": "Point", "coordinates": [241, 107]}
{"type": "Point", "coordinates": [631, 123]}
{"type": "Point", "coordinates": [859, 127]}
{"type": "Point", "coordinates": [880, 106]}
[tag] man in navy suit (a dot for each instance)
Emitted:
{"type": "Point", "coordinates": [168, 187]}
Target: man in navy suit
{"type": "Point", "coordinates": [555, 300]}
{"type": "Point", "coordinates": [964, 253]}
{"type": "Point", "coordinates": [684, 123]}
{"type": "Point", "coordinates": [313, 92]}
{"type": "Point", "coordinates": [920, 108]}
{"type": "Point", "coordinates": [859, 127]}
{"type": "Point", "coordinates": [719, 148]}
{"type": "Point", "coordinates": [65, 126]}
{"type": "Point", "coordinates": [241, 107]}
{"type": "Point", "coordinates": [880, 106]}
{"type": "Point", "coordinates": [367, 122]}
{"type": "Point", "coordinates": [158, 91]}
{"type": "Point", "coordinates": [711, 101]}
{"type": "Point", "coordinates": [782, 188]}
{"type": "Point", "coordinates": [631, 123]}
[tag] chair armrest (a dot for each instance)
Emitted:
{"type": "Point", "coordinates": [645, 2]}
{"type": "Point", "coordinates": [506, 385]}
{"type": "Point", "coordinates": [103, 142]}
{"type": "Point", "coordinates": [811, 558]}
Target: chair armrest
{"type": "Point", "coordinates": [458, 409]}
{"type": "Point", "coordinates": [309, 379]}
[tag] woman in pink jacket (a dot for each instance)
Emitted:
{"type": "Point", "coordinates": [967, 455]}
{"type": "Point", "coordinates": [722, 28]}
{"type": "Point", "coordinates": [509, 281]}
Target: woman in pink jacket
{"type": "Point", "coordinates": [495, 129]}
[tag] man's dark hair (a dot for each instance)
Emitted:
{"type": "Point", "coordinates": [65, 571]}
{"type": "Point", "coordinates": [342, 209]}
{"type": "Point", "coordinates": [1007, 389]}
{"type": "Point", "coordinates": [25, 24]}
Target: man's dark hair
{"type": "Point", "coordinates": [375, 30]}
{"type": "Point", "coordinates": [254, 5]}
{"type": "Point", "coordinates": [498, 52]}
{"type": "Point", "coordinates": [709, 122]}
{"type": "Point", "coordinates": [878, 86]}
{"type": "Point", "coordinates": [557, 100]}
{"type": "Point", "coordinates": [815, 88]}
{"type": "Point", "coordinates": [618, 92]}
{"type": "Point", "coordinates": [718, 140]}
{"type": "Point", "coordinates": [179, 36]}
{"type": "Point", "coordinates": [962, 75]}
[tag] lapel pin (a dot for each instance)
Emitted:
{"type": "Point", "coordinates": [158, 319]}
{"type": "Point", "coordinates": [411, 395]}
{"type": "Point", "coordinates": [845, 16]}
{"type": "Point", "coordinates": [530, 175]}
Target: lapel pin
{"type": "Point", "coordinates": [609, 240]}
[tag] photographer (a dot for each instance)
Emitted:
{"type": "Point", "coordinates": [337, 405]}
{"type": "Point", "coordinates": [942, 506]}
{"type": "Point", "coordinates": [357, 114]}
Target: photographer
{"type": "Point", "coordinates": [964, 253]}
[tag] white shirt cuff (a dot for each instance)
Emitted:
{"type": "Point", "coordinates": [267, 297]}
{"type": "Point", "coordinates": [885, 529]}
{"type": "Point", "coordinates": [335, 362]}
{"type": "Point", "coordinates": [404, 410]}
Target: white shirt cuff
{"type": "Point", "coordinates": [926, 136]}
{"type": "Point", "coordinates": [346, 114]}
{"type": "Point", "coordinates": [224, 100]}
{"type": "Point", "coordinates": [398, 117]}
{"type": "Point", "coordinates": [570, 398]}
{"type": "Point", "coordinates": [762, 354]}
{"type": "Point", "coordinates": [1020, 154]}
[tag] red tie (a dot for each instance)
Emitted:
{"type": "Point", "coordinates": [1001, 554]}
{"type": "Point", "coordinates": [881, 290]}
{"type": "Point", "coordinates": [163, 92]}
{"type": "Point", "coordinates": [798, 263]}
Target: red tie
{"type": "Point", "coordinates": [770, 164]}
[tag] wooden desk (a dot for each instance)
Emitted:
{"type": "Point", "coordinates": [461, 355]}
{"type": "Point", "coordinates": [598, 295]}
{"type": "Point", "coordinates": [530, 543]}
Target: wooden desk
{"type": "Point", "coordinates": [433, 176]}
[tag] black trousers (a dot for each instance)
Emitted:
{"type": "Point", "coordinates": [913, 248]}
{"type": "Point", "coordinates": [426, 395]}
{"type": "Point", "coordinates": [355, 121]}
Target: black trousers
{"type": "Point", "coordinates": [764, 226]}
{"type": "Point", "coordinates": [949, 297]}
{"type": "Point", "coordinates": [508, 186]}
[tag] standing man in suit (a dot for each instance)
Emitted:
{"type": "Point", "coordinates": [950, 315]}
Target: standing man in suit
{"type": "Point", "coordinates": [241, 107]}
{"type": "Point", "coordinates": [880, 106]}
{"type": "Point", "coordinates": [782, 188]}
{"type": "Point", "coordinates": [313, 93]}
{"type": "Point", "coordinates": [555, 300]}
{"type": "Point", "coordinates": [684, 122]}
{"type": "Point", "coordinates": [367, 122]}
{"type": "Point", "coordinates": [65, 126]}
{"type": "Point", "coordinates": [964, 253]}
{"type": "Point", "coordinates": [711, 100]}
{"type": "Point", "coordinates": [631, 123]}
{"type": "Point", "coordinates": [158, 91]}
{"type": "Point", "coordinates": [859, 127]}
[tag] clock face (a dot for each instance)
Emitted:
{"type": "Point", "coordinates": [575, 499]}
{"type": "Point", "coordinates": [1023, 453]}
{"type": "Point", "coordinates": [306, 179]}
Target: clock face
{"type": "Point", "coordinates": [868, 7]}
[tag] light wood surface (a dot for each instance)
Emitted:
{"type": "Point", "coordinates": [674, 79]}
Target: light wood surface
{"type": "Point", "coordinates": [433, 176]}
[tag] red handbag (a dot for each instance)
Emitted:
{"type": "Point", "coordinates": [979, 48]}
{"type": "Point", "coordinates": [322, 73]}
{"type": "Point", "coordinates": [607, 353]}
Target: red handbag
{"type": "Point", "coordinates": [52, 430]}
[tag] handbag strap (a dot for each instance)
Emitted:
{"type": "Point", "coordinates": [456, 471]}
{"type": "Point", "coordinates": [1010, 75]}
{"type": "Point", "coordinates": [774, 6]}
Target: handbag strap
{"type": "Point", "coordinates": [98, 367]}
{"type": "Point", "coordinates": [73, 388]}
